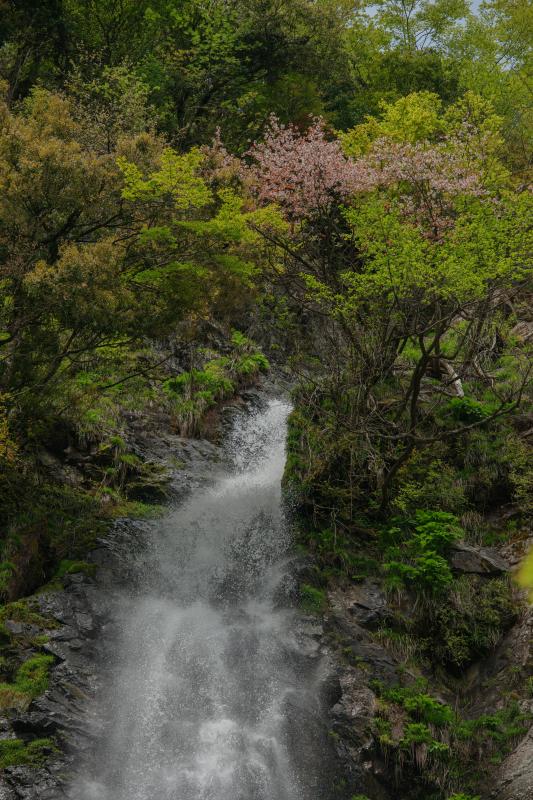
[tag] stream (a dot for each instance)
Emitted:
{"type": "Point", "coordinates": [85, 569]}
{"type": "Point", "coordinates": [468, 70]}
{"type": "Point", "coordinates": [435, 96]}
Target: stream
{"type": "Point", "coordinates": [212, 684]}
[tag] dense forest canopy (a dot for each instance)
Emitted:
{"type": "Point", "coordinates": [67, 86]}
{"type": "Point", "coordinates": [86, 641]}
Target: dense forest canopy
{"type": "Point", "coordinates": [188, 185]}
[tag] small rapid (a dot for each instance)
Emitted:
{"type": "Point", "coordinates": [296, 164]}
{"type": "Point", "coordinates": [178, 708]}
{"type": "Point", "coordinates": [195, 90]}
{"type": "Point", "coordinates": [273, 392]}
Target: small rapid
{"type": "Point", "coordinates": [213, 690]}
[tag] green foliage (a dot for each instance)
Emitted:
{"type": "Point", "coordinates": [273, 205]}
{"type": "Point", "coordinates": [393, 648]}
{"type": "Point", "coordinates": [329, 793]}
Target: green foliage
{"type": "Point", "coordinates": [462, 796]}
{"type": "Point", "coordinates": [497, 732]}
{"type": "Point", "coordinates": [466, 409]}
{"type": "Point", "coordinates": [412, 118]}
{"type": "Point", "coordinates": [32, 676]}
{"type": "Point", "coordinates": [428, 480]}
{"type": "Point", "coordinates": [470, 622]}
{"type": "Point", "coordinates": [194, 392]}
{"type": "Point", "coordinates": [414, 552]}
{"type": "Point", "coordinates": [420, 706]}
{"type": "Point", "coordinates": [441, 747]}
{"type": "Point", "coordinates": [177, 177]}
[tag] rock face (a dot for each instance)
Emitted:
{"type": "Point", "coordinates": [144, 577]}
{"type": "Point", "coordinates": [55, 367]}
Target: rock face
{"type": "Point", "coordinates": [516, 774]}
{"type": "Point", "coordinates": [477, 560]}
{"type": "Point", "coordinates": [356, 612]}
{"type": "Point", "coordinates": [369, 607]}
{"type": "Point", "coordinates": [58, 712]}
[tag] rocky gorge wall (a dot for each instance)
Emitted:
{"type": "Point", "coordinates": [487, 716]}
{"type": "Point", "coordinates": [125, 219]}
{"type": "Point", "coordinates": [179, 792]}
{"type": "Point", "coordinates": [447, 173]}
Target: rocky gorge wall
{"type": "Point", "coordinates": [370, 668]}
{"type": "Point", "coordinates": [70, 623]}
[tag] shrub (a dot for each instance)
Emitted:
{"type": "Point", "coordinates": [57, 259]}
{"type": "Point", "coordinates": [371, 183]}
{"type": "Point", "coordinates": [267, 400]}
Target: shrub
{"type": "Point", "coordinates": [469, 622]}
{"type": "Point", "coordinates": [468, 410]}
{"type": "Point", "coordinates": [427, 480]}
{"type": "Point", "coordinates": [415, 550]}
{"type": "Point", "coordinates": [420, 706]}
{"type": "Point", "coordinates": [194, 392]}
{"type": "Point", "coordinates": [438, 744]}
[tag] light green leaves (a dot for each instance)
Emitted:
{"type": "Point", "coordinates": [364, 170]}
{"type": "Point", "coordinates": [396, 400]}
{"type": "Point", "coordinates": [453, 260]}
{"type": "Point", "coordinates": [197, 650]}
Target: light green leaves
{"type": "Point", "coordinates": [177, 178]}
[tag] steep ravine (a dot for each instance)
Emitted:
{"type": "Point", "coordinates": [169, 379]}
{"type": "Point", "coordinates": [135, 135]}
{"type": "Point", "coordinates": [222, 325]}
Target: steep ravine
{"type": "Point", "coordinates": [182, 667]}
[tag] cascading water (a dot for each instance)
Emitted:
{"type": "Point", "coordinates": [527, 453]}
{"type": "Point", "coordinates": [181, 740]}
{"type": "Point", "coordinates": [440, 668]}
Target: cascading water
{"type": "Point", "coordinates": [213, 688]}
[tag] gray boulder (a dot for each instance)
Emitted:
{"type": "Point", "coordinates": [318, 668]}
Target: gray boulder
{"type": "Point", "coordinates": [477, 560]}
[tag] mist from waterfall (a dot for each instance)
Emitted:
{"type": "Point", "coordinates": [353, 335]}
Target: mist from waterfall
{"type": "Point", "coordinates": [211, 676]}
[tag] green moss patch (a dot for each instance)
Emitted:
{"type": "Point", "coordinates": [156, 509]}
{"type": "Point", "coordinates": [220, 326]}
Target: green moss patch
{"type": "Point", "coordinates": [312, 600]}
{"type": "Point", "coordinates": [31, 680]}
{"type": "Point", "coordinates": [14, 752]}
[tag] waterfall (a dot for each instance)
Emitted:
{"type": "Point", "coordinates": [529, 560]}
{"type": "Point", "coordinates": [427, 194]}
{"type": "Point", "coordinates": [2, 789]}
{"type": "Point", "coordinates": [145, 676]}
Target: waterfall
{"type": "Point", "coordinates": [213, 688]}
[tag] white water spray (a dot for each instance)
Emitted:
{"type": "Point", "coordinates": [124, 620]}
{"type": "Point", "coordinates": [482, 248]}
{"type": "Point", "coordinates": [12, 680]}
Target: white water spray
{"type": "Point", "coordinates": [209, 661]}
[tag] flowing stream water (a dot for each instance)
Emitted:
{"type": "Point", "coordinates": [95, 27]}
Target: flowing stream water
{"type": "Point", "coordinates": [213, 691]}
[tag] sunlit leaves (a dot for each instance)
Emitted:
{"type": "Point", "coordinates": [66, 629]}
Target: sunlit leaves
{"type": "Point", "coordinates": [176, 177]}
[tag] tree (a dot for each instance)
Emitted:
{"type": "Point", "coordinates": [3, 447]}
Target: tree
{"type": "Point", "coordinates": [404, 262]}
{"type": "Point", "coordinates": [493, 58]}
{"type": "Point", "coordinates": [93, 256]}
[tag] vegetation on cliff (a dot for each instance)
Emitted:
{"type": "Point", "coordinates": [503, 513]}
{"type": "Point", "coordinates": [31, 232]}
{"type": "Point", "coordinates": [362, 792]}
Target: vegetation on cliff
{"type": "Point", "coordinates": [184, 185]}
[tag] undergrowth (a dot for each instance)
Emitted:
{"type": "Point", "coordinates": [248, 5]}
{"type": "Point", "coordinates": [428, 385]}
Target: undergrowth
{"type": "Point", "coordinates": [433, 746]}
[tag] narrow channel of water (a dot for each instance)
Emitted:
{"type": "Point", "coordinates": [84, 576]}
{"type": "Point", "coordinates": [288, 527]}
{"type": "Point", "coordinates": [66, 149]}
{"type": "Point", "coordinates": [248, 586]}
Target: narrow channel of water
{"type": "Point", "coordinates": [213, 690]}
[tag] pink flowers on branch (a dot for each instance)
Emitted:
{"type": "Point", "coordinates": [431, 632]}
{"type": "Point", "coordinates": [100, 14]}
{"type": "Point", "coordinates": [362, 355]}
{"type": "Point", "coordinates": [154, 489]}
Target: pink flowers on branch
{"type": "Point", "coordinates": [304, 173]}
{"type": "Point", "coordinates": [307, 173]}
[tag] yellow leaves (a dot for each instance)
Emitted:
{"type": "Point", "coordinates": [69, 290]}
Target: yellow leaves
{"type": "Point", "coordinates": [410, 119]}
{"type": "Point", "coordinates": [50, 115]}
{"type": "Point", "coordinates": [525, 575]}
{"type": "Point", "coordinates": [8, 447]}
{"type": "Point", "coordinates": [84, 284]}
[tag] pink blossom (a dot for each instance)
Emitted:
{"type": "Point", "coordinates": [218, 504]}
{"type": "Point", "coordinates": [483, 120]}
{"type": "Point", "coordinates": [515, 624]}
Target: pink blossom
{"type": "Point", "coordinates": [302, 172]}
{"type": "Point", "coordinates": [306, 173]}
{"type": "Point", "coordinates": [428, 176]}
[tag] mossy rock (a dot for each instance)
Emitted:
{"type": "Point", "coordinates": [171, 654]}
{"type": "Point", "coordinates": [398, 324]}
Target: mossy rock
{"type": "Point", "coordinates": [31, 681]}
{"type": "Point", "coordinates": [67, 567]}
{"type": "Point", "coordinates": [12, 698]}
{"type": "Point", "coordinates": [312, 600]}
{"type": "Point", "coordinates": [15, 752]}
{"type": "Point", "coordinates": [22, 611]}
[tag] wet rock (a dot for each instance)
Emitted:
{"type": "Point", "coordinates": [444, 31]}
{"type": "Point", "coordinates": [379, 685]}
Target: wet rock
{"type": "Point", "coordinates": [85, 623]}
{"type": "Point", "coordinates": [149, 491]}
{"type": "Point", "coordinates": [21, 628]}
{"type": "Point", "coordinates": [75, 578]}
{"type": "Point", "coordinates": [40, 725]}
{"type": "Point", "coordinates": [30, 783]}
{"type": "Point", "coordinates": [64, 634]}
{"type": "Point", "coordinates": [477, 560]}
{"type": "Point", "coordinates": [369, 607]}
{"type": "Point", "coordinates": [331, 690]}
{"type": "Point", "coordinates": [351, 717]}
{"type": "Point", "coordinates": [515, 776]}
{"type": "Point", "coordinates": [6, 793]}
{"type": "Point", "coordinates": [304, 728]}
